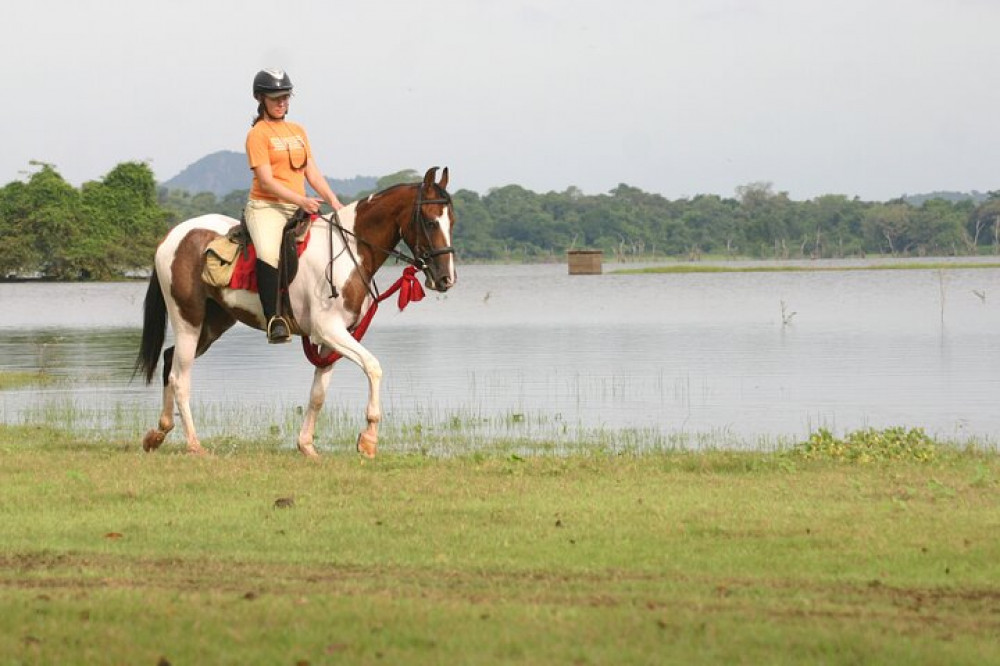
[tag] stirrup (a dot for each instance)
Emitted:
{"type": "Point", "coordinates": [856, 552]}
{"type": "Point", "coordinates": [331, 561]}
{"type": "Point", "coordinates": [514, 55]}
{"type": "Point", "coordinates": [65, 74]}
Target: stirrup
{"type": "Point", "coordinates": [277, 330]}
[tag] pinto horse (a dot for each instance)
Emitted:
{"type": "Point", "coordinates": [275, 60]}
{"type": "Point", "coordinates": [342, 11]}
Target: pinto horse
{"type": "Point", "coordinates": [329, 295]}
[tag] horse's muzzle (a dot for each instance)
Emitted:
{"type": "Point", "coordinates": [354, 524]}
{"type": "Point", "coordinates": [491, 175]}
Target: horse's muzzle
{"type": "Point", "coordinates": [442, 284]}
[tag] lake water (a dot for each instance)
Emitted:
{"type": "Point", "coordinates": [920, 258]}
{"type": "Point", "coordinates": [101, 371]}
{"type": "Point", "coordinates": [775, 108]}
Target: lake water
{"type": "Point", "coordinates": [726, 359]}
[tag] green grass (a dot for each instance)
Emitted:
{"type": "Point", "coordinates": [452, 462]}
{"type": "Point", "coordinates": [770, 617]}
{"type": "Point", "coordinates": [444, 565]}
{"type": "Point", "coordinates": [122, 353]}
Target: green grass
{"type": "Point", "coordinates": [256, 555]}
{"type": "Point", "coordinates": [16, 379]}
{"type": "Point", "coordinates": [427, 431]}
{"type": "Point", "coordinates": [797, 268]}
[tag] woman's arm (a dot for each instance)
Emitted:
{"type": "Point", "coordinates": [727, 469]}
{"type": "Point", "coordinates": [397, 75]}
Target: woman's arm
{"type": "Point", "coordinates": [268, 183]}
{"type": "Point", "coordinates": [315, 178]}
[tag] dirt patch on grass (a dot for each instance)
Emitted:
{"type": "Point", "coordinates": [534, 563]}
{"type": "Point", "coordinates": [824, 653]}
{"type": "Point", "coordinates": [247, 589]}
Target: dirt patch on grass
{"type": "Point", "coordinates": [960, 610]}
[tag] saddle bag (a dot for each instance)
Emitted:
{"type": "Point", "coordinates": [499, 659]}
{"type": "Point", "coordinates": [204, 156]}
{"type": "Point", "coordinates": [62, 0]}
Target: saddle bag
{"type": "Point", "coordinates": [221, 255]}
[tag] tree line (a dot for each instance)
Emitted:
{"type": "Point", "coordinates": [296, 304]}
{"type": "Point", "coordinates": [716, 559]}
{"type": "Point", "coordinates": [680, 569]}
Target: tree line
{"type": "Point", "coordinates": [101, 230]}
{"type": "Point", "coordinates": [513, 223]}
{"type": "Point", "coordinates": [107, 228]}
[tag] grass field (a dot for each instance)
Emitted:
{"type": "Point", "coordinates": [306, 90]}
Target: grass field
{"type": "Point", "coordinates": [257, 556]}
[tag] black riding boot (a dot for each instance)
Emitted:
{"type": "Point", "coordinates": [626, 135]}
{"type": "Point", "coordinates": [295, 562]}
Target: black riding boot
{"type": "Point", "coordinates": [267, 289]}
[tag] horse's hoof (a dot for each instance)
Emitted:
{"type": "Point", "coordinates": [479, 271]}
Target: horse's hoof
{"type": "Point", "coordinates": [367, 445]}
{"type": "Point", "coordinates": [152, 440]}
{"type": "Point", "coordinates": [196, 450]}
{"type": "Point", "coordinates": [308, 451]}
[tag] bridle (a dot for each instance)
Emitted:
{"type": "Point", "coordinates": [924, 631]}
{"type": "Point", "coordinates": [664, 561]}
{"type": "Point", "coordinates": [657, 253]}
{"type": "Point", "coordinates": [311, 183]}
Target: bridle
{"type": "Point", "coordinates": [444, 199]}
{"type": "Point", "coordinates": [420, 261]}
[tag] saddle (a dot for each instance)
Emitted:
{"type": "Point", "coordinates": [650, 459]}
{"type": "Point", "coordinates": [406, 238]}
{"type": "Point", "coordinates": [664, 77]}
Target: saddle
{"type": "Point", "coordinates": [230, 259]}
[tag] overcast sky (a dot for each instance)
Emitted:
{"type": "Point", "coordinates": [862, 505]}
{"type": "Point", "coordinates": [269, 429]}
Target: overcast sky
{"type": "Point", "coordinates": [873, 98]}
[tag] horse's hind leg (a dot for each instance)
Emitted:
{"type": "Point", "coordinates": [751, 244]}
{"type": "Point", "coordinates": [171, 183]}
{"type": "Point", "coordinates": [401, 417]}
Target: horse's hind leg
{"type": "Point", "coordinates": [185, 348]}
{"type": "Point", "coordinates": [191, 342]}
{"type": "Point", "coordinates": [154, 438]}
{"type": "Point", "coordinates": [176, 390]}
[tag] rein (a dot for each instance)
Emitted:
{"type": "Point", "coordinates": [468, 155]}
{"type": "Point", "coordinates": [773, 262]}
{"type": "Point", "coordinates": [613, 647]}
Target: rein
{"type": "Point", "coordinates": [334, 221]}
{"type": "Point", "coordinates": [409, 290]}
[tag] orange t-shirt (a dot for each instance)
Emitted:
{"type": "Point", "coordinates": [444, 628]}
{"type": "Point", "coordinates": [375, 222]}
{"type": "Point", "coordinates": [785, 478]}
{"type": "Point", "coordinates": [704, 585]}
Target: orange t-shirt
{"type": "Point", "coordinates": [283, 145]}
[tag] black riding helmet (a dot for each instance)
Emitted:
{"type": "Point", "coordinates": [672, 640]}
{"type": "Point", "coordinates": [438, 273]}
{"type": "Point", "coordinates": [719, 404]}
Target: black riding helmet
{"type": "Point", "coordinates": [271, 82]}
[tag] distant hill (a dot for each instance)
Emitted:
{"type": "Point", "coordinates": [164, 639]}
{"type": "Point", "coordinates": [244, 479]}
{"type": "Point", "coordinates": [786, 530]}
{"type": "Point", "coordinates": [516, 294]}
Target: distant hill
{"type": "Point", "coordinates": [225, 171]}
{"type": "Point", "coordinates": [953, 197]}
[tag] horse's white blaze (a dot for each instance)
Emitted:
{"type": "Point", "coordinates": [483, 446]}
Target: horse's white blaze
{"type": "Point", "coordinates": [444, 220]}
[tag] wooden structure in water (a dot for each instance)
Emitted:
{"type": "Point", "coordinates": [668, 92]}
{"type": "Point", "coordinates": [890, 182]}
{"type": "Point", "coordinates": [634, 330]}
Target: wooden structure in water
{"type": "Point", "coordinates": [585, 262]}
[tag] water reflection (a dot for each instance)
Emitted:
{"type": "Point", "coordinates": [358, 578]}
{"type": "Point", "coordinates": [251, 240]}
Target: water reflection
{"type": "Point", "coordinates": [529, 350]}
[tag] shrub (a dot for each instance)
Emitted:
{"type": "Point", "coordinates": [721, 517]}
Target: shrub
{"type": "Point", "coordinates": [869, 445]}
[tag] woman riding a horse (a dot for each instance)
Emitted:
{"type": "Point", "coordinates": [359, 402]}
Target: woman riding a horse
{"type": "Point", "coordinates": [282, 161]}
{"type": "Point", "coordinates": [330, 296]}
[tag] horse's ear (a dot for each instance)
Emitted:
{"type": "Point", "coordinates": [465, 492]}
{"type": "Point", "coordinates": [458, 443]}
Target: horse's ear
{"type": "Point", "coordinates": [444, 179]}
{"type": "Point", "coordinates": [429, 177]}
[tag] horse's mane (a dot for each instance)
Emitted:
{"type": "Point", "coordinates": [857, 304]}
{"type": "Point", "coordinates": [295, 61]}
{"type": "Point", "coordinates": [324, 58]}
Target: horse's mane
{"type": "Point", "coordinates": [349, 211]}
{"type": "Point", "coordinates": [391, 188]}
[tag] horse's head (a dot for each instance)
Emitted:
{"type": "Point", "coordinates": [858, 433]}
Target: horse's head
{"type": "Point", "coordinates": [428, 233]}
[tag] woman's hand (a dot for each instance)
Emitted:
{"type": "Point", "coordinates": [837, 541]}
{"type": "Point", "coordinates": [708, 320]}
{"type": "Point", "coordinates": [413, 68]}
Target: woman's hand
{"type": "Point", "coordinates": [310, 205]}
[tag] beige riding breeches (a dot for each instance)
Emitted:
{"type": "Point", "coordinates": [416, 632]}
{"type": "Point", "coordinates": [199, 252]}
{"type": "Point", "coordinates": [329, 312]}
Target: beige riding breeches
{"type": "Point", "coordinates": [265, 220]}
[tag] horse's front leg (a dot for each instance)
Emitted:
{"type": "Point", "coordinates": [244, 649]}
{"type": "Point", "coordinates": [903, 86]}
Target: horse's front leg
{"type": "Point", "coordinates": [342, 341]}
{"type": "Point", "coordinates": [317, 397]}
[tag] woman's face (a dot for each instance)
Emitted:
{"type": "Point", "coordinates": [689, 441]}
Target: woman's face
{"type": "Point", "coordinates": [277, 107]}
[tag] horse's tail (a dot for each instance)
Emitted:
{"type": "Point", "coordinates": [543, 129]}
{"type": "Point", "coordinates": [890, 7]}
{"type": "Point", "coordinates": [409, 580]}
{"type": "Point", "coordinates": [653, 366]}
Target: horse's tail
{"type": "Point", "coordinates": [154, 330]}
